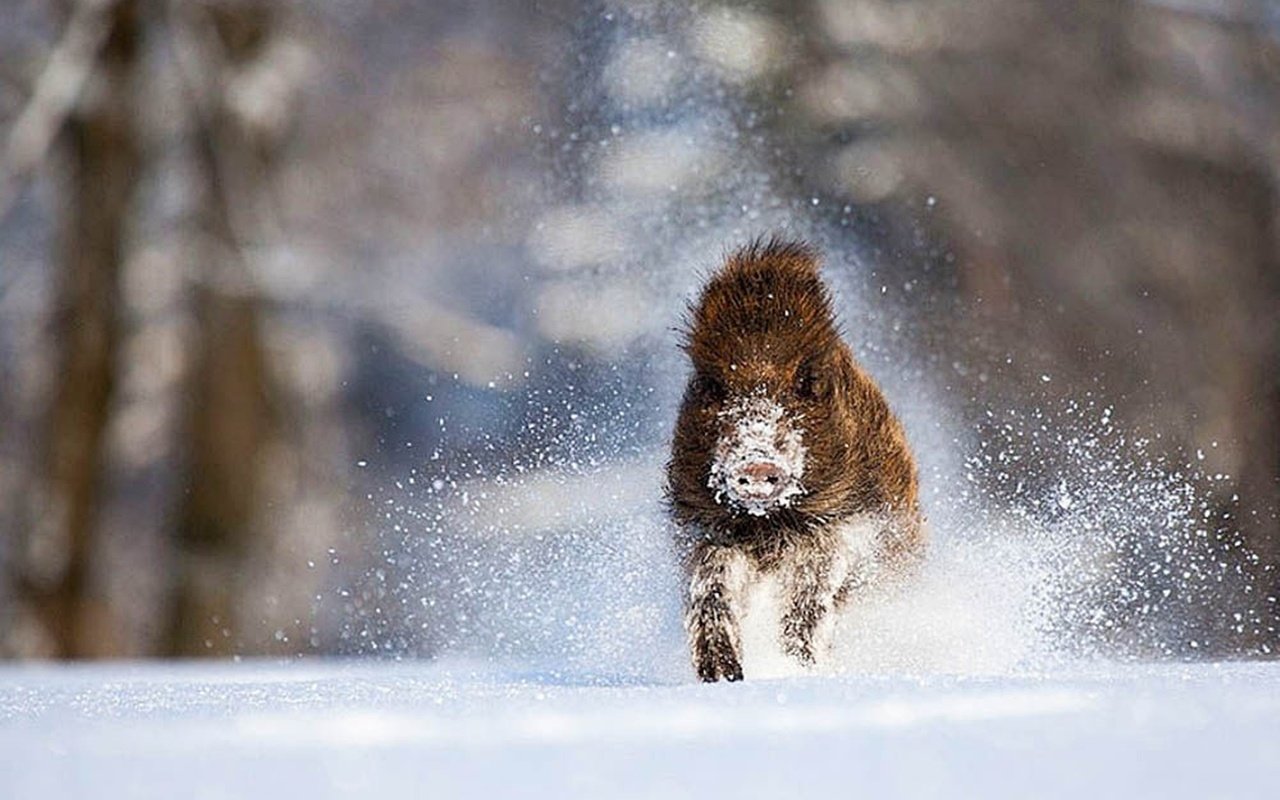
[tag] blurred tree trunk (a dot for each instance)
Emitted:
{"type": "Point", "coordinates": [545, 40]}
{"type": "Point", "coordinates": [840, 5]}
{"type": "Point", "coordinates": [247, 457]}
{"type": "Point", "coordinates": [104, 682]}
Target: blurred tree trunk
{"type": "Point", "coordinates": [103, 162]}
{"type": "Point", "coordinates": [229, 420]}
{"type": "Point", "coordinates": [227, 426]}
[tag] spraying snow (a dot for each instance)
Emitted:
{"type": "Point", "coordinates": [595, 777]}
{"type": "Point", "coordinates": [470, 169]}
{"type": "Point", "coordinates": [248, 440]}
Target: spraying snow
{"type": "Point", "coordinates": [572, 570]}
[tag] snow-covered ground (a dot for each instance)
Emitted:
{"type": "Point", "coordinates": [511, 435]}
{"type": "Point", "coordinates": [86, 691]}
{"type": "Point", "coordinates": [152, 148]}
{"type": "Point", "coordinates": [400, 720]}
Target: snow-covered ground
{"type": "Point", "coordinates": [363, 730]}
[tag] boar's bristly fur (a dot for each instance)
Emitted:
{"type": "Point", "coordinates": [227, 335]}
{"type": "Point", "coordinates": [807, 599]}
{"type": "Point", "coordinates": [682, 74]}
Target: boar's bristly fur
{"type": "Point", "coordinates": [786, 464]}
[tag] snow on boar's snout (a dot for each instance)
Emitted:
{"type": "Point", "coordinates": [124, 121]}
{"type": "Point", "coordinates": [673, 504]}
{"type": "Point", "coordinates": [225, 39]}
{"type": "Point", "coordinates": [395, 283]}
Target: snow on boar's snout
{"type": "Point", "coordinates": [758, 463]}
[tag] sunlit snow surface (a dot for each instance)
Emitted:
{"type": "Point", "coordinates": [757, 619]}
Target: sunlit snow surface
{"type": "Point", "coordinates": [363, 730]}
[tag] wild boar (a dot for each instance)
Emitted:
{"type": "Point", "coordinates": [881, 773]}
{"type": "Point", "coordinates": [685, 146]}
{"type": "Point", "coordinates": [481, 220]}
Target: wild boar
{"type": "Point", "coordinates": [787, 464]}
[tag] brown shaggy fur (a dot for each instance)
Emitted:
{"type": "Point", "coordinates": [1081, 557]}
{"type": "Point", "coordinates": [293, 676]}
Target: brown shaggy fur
{"type": "Point", "coordinates": [763, 326]}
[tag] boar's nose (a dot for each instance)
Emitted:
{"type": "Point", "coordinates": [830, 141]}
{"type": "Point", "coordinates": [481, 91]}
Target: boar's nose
{"type": "Point", "coordinates": [759, 479]}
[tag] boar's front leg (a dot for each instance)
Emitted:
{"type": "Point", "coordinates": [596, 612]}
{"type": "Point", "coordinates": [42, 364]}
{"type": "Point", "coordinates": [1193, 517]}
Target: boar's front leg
{"type": "Point", "coordinates": [716, 581]}
{"type": "Point", "coordinates": [808, 621]}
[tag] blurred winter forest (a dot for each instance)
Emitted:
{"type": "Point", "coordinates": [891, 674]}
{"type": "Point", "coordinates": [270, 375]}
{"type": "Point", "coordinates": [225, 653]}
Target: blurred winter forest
{"type": "Point", "coordinates": [347, 327]}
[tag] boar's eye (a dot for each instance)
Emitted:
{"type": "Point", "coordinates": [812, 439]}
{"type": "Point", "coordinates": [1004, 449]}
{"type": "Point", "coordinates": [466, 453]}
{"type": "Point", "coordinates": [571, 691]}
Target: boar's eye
{"type": "Point", "coordinates": [708, 387]}
{"type": "Point", "coordinates": [810, 383]}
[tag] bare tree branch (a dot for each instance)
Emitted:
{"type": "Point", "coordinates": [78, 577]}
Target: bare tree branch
{"type": "Point", "coordinates": [57, 89]}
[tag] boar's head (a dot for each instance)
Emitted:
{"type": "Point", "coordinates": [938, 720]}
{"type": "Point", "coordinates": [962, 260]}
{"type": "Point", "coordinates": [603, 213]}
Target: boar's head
{"type": "Point", "coordinates": [768, 429]}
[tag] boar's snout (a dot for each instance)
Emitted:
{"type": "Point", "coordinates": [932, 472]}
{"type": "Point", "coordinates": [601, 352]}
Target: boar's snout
{"type": "Point", "coordinates": [758, 484]}
{"type": "Point", "coordinates": [759, 479]}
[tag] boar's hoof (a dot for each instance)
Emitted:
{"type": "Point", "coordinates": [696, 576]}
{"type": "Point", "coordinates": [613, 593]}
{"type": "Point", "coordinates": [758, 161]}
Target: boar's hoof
{"type": "Point", "coordinates": [718, 663]}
